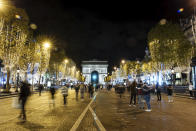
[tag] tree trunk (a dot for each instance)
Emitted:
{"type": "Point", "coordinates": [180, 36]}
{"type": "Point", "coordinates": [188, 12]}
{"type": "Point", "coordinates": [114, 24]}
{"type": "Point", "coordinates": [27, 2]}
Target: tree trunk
{"type": "Point", "coordinates": [26, 76]}
{"type": "Point", "coordinates": [8, 79]}
{"type": "Point", "coordinates": [32, 76]}
{"type": "Point", "coordinates": [32, 81]}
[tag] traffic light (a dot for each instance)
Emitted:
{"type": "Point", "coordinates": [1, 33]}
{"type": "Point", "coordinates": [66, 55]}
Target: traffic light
{"type": "Point", "coordinates": [1, 65]}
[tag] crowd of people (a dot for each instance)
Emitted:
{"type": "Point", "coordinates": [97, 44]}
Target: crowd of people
{"type": "Point", "coordinates": [25, 92]}
{"type": "Point", "coordinates": [140, 93]}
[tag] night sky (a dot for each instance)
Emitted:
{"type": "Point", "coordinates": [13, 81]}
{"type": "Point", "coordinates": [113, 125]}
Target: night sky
{"type": "Point", "coordinates": [98, 30]}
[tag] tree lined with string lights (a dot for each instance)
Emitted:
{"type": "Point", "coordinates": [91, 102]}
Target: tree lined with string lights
{"type": "Point", "coordinates": [43, 50]}
{"type": "Point", "coordinates": [14, 32]}
{"type": "Point", "coordinates": [169, 46]}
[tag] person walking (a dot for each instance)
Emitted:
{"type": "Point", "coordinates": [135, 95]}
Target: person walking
{"type": "Point", "coordinates": [133, 93]}
{"type": "Point", "coordinates": [23, 96]}
{"type": "Point", "coordinates": [52, 91]}
{"type": "Point", "coordinates": [158, 90]}
{"type": "Point", "coordinates": [91, 90]}
{"type": "Point", "coordinates": [146, 93]}
{"type": "Point", "coordinates": [72, 87]}
{"type": "Point", "coordinates": [170, 93]}
{"type": "Point", "coordinates": [77, 90]}
{"type": "Point", "coordinates": [140, 95]}
{"type": "Point", "coordinates": [64, 92]}
{"type": "Point", "coordinates": [82, 89]}
{"type": "Point", "coordinates": [191, 90]}
{"type": "Point", "coordinates": [40, 88]}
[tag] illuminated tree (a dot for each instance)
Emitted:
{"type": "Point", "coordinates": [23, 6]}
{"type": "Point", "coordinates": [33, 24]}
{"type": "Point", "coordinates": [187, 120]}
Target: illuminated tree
{"type": "Point", "coordinates": [131, 68]}
{"type": "Point", "coordinates": [14, 32]}
{"type": "Point", "coordinates": [43, 54]}
{"type": "Point", "coordinates": [124, 69]}
{"type": "Point", "coordinates": [168, 46]}
{"type": "Point", "coordinates": [28, 58]}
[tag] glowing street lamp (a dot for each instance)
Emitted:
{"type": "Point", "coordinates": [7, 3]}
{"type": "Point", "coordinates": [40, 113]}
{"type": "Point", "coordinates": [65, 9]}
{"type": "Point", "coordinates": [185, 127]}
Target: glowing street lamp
{"type": "Point", "coordinates": [123, 61]}
{"type": "Point", "coordinates": [66, 61]}
{"type": "Point", "coordinates": [2, 4]}
{"type": "Point", "coordinates": [115, 68]}
{"type": "Point", "coordinates": [47, 44]}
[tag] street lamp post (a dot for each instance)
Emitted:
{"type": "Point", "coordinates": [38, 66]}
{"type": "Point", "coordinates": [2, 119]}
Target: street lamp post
{"type": "Point", "coordinates": [17, 79]}
{"type": "Point", "coordinates": [123, 68]}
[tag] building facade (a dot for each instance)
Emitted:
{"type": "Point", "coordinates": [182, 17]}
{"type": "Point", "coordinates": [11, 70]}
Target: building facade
{"type": "Point", "coordinates": [189, 28]}
{"type": "Point", "coordinates": [94, 71]}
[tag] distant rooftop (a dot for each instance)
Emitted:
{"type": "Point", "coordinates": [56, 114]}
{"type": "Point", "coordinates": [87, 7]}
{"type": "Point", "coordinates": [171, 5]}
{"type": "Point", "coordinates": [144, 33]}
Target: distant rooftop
{"type": "Point", "coordinates": [94, 61]}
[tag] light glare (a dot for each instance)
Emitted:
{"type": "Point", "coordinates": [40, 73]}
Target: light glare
{"type": "Point", "coordinates": [46, 44]}
{"type": "Point", "coordinates": [123, 61]}
{"type": "Point", "coordinates": [180, 10]}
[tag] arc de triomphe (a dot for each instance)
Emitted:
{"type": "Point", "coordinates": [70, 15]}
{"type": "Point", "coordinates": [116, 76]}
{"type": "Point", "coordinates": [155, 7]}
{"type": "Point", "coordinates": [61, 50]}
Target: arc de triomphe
{"type": "Point", "coordinates": [95, 71]}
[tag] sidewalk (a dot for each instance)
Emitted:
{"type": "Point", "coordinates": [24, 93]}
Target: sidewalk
{"type": "Point", "coordinates": [41, 115]}
{"type": "Point", "coordinates": [11, 94]}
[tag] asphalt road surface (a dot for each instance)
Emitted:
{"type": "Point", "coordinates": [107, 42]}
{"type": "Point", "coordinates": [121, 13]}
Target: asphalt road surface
{"type": "Point", "coordinates": [111, 113]}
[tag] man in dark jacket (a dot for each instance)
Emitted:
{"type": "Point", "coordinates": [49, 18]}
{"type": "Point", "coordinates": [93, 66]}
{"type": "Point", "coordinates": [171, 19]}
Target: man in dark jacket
{"type": "Point", "coordinates": [158, 90]}
{"type": "Point", "coordinates": [77, 88]}
{"type": "Point", "coordinates": [52, 91]}
{"type": "Point", "coordinates": [24, 93]}
{"type": "Point", "coordinates": [133, 93]}
{"type": "Point", "coordinates": [40, 87]}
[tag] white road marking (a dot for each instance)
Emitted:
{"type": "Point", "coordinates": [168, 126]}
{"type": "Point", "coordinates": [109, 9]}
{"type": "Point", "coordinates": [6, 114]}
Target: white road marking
{"type": "Point", "coordinates": [100, 126]}
{"type": "Point", "coordinates": [78, 121]}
